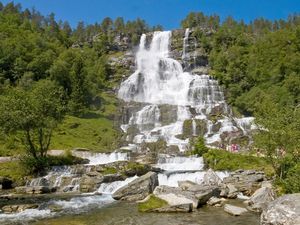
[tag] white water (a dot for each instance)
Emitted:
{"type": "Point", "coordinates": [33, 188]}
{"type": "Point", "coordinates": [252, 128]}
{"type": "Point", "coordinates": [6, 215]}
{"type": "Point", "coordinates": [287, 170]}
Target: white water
{"type": "Point", "coordinates": [196, 177]}
{"type": "Point", "coordinates": [101, 158]}
{"type": "Point", "coordinates": [160, 80]}
{"type": "Point", "coordinates": [178, 163]}
{"type": "Point", "coordinates": [28, 214]}
{"type": "Point", "coordinates": [110, 188]}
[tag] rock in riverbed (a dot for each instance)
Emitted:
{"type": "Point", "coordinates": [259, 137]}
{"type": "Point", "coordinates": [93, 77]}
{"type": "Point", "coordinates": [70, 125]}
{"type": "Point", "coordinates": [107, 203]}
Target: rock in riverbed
{"type": "Point", "coordinates": [18, 208]}
{"type": "Point", "coordinates": [234, 210]}
{"type": "Point", "coordinates": [259, 200]}
{"type": "Point", "coordinates": [137, 189]}
{"type": "Point", "coordinates": [282, 211]}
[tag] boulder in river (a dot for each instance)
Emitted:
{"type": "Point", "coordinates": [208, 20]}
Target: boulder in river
{"type": "Point", "coordinates": [245, 181]}
{"type": "Point", "coordinates": [138, 189]}
{"type": "Point", "coordinates": [214, 201]}
{"type": "Point", "coordinates": [198, 194]}
{"type": "Point", "coordinates": [234, 210]}
{"type": "Point", "coordinates": [282, 211]}
{"type": "Point", "coordinates": [165, 203]}
{"type": "Point", "coordinates": [259, 200]}
{"type": "Point", "coordinates": [18, 208]}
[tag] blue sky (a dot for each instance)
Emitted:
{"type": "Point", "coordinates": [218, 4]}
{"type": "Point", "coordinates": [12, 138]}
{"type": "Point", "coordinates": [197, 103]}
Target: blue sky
{"type": "Point", "coordinates": [168, 13]}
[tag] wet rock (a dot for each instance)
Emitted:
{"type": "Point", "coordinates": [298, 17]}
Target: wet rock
{"type": "Point", "coordinates": [234, 210]}
{"type": "Point", "coordinates": [112, 178]}
{"type": "Point", "coordinates": [33, 190]}
{"type": "Point", "coordinates": [55, 208]}
{"type": "Point", "coordinates": [165, 203]}
{"type": "Point", "coordinates": [176, 203]}
{"type": "Point", "coordinates": [259, 200]}
{"type": "Point", "coordinates": [175, 208]}
{"type": "Point", "coordinates": [210, 178]}
{"type": "Point", "coordinates": [245, 181]}
{"type": "Point", "coordinates": [138, 189]}
{"type": "Point", "coordinates": [282, 211]}
{"type": "Point", "coordinates": [198, 194]}
{"type": "Point", "coordinates": [90, 184]}
{"type": "Point", "coordinates": [214, 201]}
{"type": "Point", "coordinates": [178, 192]}
{"type": "Point", "coordinates": [18, 208]}
{"type": "Point", "coordinates": [232, 191]}
{"type": "Point", "coordinates": [5, 183]}
{"type": "Point", "coordinates": [185, 185]}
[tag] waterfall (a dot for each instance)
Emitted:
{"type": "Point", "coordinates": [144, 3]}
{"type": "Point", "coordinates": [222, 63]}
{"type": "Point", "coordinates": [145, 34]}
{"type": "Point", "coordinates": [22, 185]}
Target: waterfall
{"type": "Point", "coordinates": [110, 188]}
{"type": "Point", "coordinates": [159, 81]}
{"type": "Point", "coordinates": [179, 163]}
{"type": "Point", "coordinates": [185, 47]}
{"type": "Point", "coordinates": [101, 158]}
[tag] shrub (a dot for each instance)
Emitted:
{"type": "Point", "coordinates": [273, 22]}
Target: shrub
{"type": "Point", "coordinates": [291, 183]}
{"type": "Point", "coordinates": [200, 147]}
{"type": "Point", "coordinates": [223, 160]}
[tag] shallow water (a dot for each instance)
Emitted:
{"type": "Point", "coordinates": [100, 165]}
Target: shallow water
{"type": "Point", "coordinates": [121, 213]}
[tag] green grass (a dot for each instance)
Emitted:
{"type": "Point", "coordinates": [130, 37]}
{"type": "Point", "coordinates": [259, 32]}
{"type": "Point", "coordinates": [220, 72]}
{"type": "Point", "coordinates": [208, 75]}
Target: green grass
{"type": "Point", "coordinates": [109, 170]}
{"type": "Point", "coordinates": [96, 130]}
{"type": "Point", "coordinates": [13, 170]}
{"type": "Point", "coordinates": [223, 160]}
{"type": "Point", "coordinates": [152, 203]}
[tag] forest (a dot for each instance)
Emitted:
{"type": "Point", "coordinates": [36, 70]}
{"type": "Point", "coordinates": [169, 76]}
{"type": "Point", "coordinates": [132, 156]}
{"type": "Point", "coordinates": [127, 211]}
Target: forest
{"type": "Point", "coordinates": [50, 71]}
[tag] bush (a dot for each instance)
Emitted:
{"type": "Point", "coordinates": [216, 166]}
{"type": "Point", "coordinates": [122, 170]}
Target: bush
{"type": "Point", "coordinates": [223, 160]}
{"type": "Point", "coordinates": [291, 183]}
{"type": "Point", "coordinates": [200, 147]}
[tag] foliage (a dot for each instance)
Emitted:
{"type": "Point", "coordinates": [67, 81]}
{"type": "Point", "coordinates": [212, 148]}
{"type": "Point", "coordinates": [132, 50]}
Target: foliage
{"type": "Point", "coordinates": [291, 183]}
{"type": "Point", "coordinates": [31, 116]}
{"type": "Point", "coordinates": [200, 147]}
{"type": "Point", "coordinates": [223, 160]}
{"type": "Point", "coordinates": [151, 203]}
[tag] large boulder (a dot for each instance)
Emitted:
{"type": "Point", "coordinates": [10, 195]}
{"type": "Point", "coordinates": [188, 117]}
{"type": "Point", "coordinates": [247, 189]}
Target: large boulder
{"type": "Point", "coordinates": [163, 190]}
{"type": "Point", "coordinates": [259, 200]}
{"type": "Point", "coordinates": [198, 194]}
{"type": "Point", "coordinates": [137, 189]}
{"type": "Point", "coordinates": [245, 181]}
{"type": "Point", "coordinates": [234, 210]}
{"type": "Point", "coordinates": [90, 183]}
{"type": "Point", "coordinates": [282, 211]}
{"type": "Point", "coordinates": [167, 203]}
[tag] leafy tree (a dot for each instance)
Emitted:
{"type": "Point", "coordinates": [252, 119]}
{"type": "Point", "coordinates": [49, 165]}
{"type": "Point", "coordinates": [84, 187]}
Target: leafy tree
{"type": "Point", "coordinates": [32, 115]}
{"type": "Point", "coordinates": [278, 135]}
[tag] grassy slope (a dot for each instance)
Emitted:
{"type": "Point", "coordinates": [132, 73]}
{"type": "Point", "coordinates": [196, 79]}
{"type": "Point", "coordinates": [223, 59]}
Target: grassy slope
{"type": "Point", "coordinates": [96, 130]}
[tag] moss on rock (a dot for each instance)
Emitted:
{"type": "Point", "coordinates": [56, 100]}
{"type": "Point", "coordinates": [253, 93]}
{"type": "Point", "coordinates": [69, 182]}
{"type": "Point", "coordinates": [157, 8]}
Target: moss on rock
{"type": "Point", "coordinates": [151, 203]}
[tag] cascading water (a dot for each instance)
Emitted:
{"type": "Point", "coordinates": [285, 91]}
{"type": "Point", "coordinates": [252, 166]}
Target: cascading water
{"type": "Point", "coordinates": [160, 80]}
